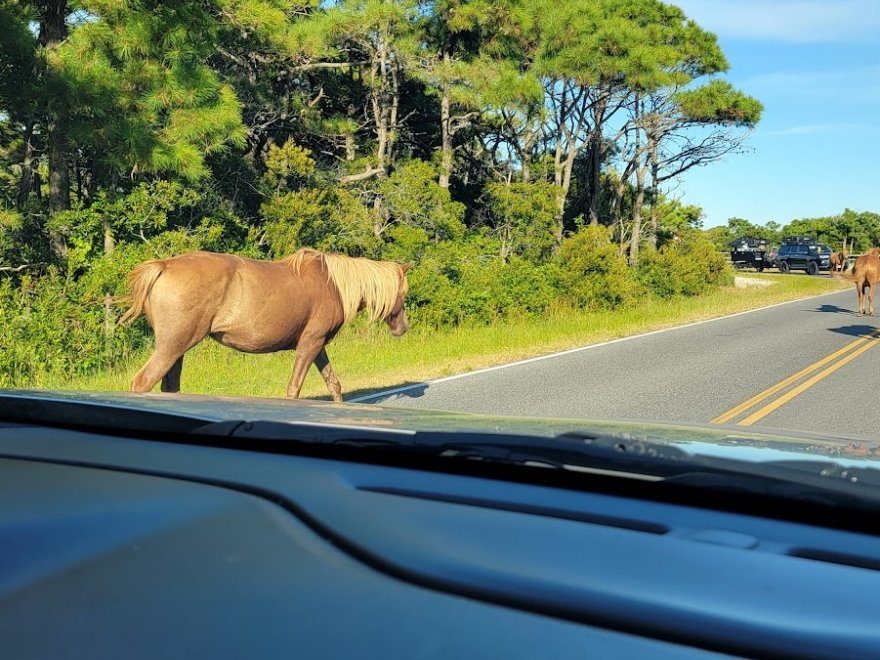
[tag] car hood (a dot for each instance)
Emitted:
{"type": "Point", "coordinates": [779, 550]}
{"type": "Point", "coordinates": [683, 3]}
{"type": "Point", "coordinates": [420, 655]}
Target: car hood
{"type": "Point", "coordinates": [125, 411]}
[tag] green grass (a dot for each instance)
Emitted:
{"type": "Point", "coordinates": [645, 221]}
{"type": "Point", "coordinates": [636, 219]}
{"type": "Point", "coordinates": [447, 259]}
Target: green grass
{"type": "Point", "coordinates": [368, 358]}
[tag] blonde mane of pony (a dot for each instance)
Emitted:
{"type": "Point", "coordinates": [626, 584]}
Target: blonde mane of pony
{"type": "Point", "coordinates": [376, 284]}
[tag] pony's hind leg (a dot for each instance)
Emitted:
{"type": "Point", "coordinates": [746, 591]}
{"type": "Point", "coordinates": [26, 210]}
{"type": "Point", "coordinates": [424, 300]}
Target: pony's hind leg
{"type": "Point", "coordinates": [171, 380]}
{"type": "Point", "coordinates": [166, 362]}
{"type": "Point", "coordinates": [156, 368]}
{"type": "Point", "coordinates": [322, 362]}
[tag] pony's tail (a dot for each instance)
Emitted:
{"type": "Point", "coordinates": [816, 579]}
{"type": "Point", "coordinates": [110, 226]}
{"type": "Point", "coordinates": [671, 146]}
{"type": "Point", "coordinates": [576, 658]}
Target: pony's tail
{"type": "Point", "coordinates": [141, 281]}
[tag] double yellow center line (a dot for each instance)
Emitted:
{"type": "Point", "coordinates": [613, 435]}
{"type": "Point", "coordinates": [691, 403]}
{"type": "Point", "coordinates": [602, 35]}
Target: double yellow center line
{"type": "Point", "coordinates": [843, 356]}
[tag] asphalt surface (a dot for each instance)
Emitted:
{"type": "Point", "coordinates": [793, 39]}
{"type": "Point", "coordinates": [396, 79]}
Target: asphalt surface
{"type": "Point", "coordinates": [694, 374]}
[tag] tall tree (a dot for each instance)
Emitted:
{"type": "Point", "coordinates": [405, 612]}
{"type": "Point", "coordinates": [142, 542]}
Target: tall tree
{"type": "Point", "coordinates": [466, 44]}
{"type": "Point", "coordinates": [592, 57]}
{"type": "Point", "coordinates": [52, 16]}
{"type": "Point", "coordinates": [20, 68]}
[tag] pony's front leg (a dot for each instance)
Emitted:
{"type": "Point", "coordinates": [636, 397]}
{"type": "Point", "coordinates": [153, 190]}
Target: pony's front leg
{"type": "Point", "coordinates": [332, 382]}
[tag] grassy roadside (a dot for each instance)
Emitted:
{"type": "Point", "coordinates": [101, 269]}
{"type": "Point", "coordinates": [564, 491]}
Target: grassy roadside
{"type": "Point", "coordinates": [368, 358]}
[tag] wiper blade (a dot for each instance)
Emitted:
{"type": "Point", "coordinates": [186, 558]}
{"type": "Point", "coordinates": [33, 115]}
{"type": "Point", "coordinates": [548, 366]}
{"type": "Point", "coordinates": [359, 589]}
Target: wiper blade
{"type": "Point", "coordinates": [566, 451]}
{"type": "Point", "coordinates": [567, 448]}
{"type": "Point", "coordinates": [800, 481]}
{"type": "Point", "coordinates": [570, 450]}
{"type": "Point", "coordinates": [307, 433]}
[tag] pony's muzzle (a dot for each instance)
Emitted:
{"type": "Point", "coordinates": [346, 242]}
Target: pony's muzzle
{"type": "Point", "coordinates": [398, 323]}
{"type": "Point", "coordinates": [400, 329]}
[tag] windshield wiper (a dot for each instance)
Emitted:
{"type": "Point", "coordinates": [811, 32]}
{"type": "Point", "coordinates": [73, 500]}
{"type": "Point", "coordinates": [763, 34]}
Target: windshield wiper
{"type": "Point", "coordinates": [818, 483]}
{"type": "Point", "coordinates": [307, 433]}
{"type": "Point", "coordinates": [569, 449]}
{"type": "Point", "coordinates": [576, 451]}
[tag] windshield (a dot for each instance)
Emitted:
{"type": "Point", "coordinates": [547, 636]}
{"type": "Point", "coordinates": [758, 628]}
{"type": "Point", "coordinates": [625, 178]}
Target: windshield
{"type": "Point", "coordinates": [566, 210]}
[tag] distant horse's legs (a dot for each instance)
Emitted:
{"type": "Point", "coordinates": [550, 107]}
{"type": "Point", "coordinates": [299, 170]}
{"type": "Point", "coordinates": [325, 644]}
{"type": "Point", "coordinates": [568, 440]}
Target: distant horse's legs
{"type": "Point", "coordinates": [171, 380]}
{"type": "Point", "coordinates": [323, 364]}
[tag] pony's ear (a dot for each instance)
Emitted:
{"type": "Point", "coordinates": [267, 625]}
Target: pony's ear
{"type": "Point", "coordinates": [405, 267]}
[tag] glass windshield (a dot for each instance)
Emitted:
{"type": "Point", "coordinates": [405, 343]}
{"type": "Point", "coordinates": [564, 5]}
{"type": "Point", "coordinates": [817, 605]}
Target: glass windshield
{"type": "Point", "coordinates": [571, 210]}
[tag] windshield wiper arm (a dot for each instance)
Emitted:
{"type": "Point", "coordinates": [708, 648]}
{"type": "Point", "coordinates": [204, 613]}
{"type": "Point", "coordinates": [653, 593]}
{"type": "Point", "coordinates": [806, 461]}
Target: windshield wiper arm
{"type": "Point", "coordinates": [582, 452]}
{"type": "Point", "coordinates": [306, 433]}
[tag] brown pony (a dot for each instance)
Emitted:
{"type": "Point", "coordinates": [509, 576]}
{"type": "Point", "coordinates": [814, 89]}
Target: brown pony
{"type": "Point", "coordinates": [865, 274]}
{"type": "Point", "coordinates": [299, 302]}
{"type": "Point", "coordinates": [838, 262]}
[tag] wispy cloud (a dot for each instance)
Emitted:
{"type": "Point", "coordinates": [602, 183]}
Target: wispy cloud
{"type": "Point", "coordinates": [796, 21]}
{"type": "Point", "coordinates": [854, 84]}
{"type": "Point", "coordinates": [813, 129]}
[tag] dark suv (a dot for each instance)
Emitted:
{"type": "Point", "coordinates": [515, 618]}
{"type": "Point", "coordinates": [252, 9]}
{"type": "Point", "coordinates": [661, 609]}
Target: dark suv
{"type": "Point", "coordinates": [803, 254]}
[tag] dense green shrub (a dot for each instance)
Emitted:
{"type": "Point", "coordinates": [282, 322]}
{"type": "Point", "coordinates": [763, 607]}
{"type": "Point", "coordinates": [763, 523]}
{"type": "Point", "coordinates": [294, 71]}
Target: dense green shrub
{"type": "Point", "coordinates": [456, 282]}
{"type": "Point", "coordinates": [524, 216]}
{"type": "Point", "coordinates": [591, 273]}
{"type": "Point", "coordinates": [686, 267]}
{"type": "Point", "coordinates": [53, 324]}
{"type": "Point", "coordinates": [412, 197]}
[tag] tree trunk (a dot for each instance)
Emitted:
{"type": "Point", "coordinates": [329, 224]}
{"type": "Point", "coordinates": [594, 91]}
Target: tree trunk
{"type": "Point", "coordinates": [445, 128]}
{"type": "Point", "coordinates": [109, 319]}
{"type": "Point", "coordinates": [525, 159]}
{"type": "Point", "coordinates": [26, 184]}
{"type": "Point", "coordinates": [594, 185]}
{"type": "Point", "coordinates": [655, 213]}
{"type": "Point", "coordinates": [53, 30]}
{"type": "Point", "coordinates": [109, 243]}
{"type": "Point", "coordinates": [636, 237]}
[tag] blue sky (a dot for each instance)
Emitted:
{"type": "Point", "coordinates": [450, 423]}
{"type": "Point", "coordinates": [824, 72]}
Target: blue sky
{"type": "Point", "coordinates": [815, 65]}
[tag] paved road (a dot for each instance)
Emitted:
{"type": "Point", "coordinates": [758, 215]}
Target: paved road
{"type": "Point", "coordinates": [696, 374]}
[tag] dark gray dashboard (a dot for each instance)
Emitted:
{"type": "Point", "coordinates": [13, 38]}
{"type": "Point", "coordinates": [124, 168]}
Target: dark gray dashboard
{"type": "Point", "coordinates": [116, 547]}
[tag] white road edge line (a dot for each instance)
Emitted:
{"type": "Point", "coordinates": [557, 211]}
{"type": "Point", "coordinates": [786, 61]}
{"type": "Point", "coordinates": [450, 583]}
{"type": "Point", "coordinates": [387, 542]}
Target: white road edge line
{"type": "Point", "coordinates": [398, 390]}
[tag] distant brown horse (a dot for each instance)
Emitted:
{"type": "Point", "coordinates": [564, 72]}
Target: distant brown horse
{"type": "Point", "coordinates": [838, 261]}
{"type": "Point", "coordinates": [299, 302]}
{"type": "Point", "coordinates": [865, 274]}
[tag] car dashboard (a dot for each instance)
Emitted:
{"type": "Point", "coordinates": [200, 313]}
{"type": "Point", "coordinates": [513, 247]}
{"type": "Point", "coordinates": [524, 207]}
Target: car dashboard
{"type": "Point", "coordinates": [135, 547]}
